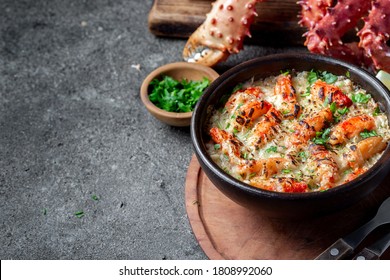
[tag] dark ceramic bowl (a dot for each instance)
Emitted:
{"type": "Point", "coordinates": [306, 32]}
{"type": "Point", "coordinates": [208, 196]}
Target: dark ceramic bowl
{"type": "Point", "coordinates": [287, 205]}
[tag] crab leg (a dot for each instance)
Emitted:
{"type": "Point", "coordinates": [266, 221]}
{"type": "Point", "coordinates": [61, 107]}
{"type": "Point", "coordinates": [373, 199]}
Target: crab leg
{"type": "Point", "coordinates": [222, 33]}
{"type": "Point", "coordinates": [313, 12]}
{"type": "Point", "coordinates": [325, 36]}
{"type": "Point", "coordinates": [375, 34]}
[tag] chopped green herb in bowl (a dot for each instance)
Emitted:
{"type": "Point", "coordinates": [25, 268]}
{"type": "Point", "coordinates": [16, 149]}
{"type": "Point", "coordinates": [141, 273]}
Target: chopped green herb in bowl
{"type": "Point", "coordinates": [177, 96]}
{"type": "Point", "coordinates": [171, 92]}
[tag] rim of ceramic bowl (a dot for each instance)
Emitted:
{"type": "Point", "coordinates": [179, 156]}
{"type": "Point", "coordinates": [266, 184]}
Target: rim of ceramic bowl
{"type": "Point", "coordinates": [211, 73]}
{"type": "Point", "coordinates": [197, 128]}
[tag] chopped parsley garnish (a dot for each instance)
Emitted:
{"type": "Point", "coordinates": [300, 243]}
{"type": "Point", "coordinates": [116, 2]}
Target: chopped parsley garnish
{"type": "Point", "coordinates": [343, 111]}
{"type": "Point", "coordinates": [376, 112]}
{"type": "Point", "coordinates": [361, 98]}
{"type": "Point", "coordinates": [95, 197]}
{"type": "Point", "coordinates": [338, 113]}
{"type": "Point", "coordinates": [328, 78]}
{"type": "Point", "coordinates": [325, 76]}
{"type": "Point", "coordinates": [239, 105]}
{"type": "Point", "coordinates": [174, 96]}
{"type": "Point", "coordinates": [322, 137]}
{"type": "Point", "coordinates": [237, 87]}
{"type": "Point", "coordinates": [333, 107]}
{"type": "Point", "coordinates": [79, 214]}
{"type": "Point", "coordinates": [286, 171]}
{"type": "Point", "coordinates": [315, 75]}
{"type": "Point", "coordinates": [302, 155]}
{"type": "Point", "coordinates": [285, 72]}
{"type": "Point", "coordinates": [44, 211]}
{"type": "Point", "coordinates": [217, 146]}
{"type": "Point", "coordinates": [348, 74]}
{"type": "Point", "coordinates": [312, 77]}
{"type": "Point", "coordinates": [348, 171]}
{"type": "Point", "coordinates": [272, 149]}
{"type": "Point", "coordinates": [367, 133]}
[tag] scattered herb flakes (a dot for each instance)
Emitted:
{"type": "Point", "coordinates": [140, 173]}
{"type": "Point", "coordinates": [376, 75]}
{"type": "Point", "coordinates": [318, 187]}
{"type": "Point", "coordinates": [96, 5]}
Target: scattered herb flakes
{"type": "Point", "coordinates": [325, 76]}
{"type": "Point", "coordinates": [302, 155]}
{"type": "Point", "coordinates": [79, 214]}
{"type": "Point", "coordinates": [326, 102]}
{"type": "Point", "coordinates": [367, 134]}
{"type": "Point", "coordinates": [326, 133]}
{"type": "Point", "coordinates": [299, 175]}
{"type": "Point", "coordinates": [322, 137]}
{"type": "Point", "coordinates": [348, 171]}
{"type": "Point", "coordinates": [376, 112]}
{"type": "Point", "coordinates": [333, 107]}
{"type": "Point", "coordinates": [286, 171]}
{"type": "Point", "coordinates": [348, 74]}
{"type": "Point", "coordinates": [95, 197]}
{"type": "Point", "coordinates": [44, 211]}
{"type": "Point", "coordinates": [272, 149]}
{"type": "Point", "coordinates": [343, 111]}
{"type": "Point", "coordinates": [361, 98]}
{"type": "Point", "coordinates": [237, 87]}
{"type": "Point", "coordinates": [312, 77]}
{"type": "Point", "coordinates": [285, 73]}
{"type": "Point", "coordinates": [315, 75]}
{"type": "Point", "coordinates": [328, 78]}
{"type": "Point", "coordinates": [217, 146]}
{"type": "Point", "coordinates": [174, 96]}
{"type": "Point", "coordinates": [307, 93]}
{"type": "Point", "coordinates": [252, 175]}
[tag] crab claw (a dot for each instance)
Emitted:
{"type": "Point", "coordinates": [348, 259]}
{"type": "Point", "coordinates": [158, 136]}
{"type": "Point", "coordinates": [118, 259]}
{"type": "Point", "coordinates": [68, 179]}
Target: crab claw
{"type": "Point", "coordinates": [197, 51]}
{"type": "Point", "coordinates": [222, 33]}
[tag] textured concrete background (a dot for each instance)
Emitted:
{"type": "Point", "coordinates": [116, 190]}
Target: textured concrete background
{"type": "Point", "coordinates": [72, 126]}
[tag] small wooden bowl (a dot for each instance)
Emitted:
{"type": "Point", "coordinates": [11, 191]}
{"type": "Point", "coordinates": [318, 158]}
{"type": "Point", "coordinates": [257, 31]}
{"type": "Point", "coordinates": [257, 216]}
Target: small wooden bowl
{"type": "Point", "coordinates": [178, 71]}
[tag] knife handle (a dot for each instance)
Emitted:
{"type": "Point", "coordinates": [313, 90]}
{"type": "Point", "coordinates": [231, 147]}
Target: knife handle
{"type": "Point", "coordinates": [337, 251]}
{"type": "Point", "coordinates": [366, 254]}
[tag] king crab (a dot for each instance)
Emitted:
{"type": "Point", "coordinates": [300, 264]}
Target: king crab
{"type": "Point", "coordinates": [228, 22]}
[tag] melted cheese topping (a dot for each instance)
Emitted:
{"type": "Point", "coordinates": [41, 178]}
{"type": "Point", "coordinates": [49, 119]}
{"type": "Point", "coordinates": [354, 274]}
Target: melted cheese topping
{"type": "Point", "coordinates": [262, 138]}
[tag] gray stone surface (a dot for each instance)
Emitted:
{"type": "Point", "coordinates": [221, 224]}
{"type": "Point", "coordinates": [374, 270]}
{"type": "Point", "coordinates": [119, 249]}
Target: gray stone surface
{"type": "Point", "coordinates": [72, 126]}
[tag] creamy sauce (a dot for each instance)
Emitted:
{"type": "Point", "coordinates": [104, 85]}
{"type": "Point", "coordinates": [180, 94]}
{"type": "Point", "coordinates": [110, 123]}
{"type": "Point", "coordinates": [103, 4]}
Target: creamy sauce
{"type": "Point", "coordinates": [290, 151]}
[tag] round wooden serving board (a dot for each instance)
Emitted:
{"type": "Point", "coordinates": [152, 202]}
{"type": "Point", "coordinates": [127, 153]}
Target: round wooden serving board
{"type": "Point", "coordinates": [226, 230]}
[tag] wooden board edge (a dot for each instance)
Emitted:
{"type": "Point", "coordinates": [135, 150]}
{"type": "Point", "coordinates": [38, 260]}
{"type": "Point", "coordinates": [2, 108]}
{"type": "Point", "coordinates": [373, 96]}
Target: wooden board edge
{"type": "Point", "coordinates": [161, 24]}
{"type": "Point", "coordinates": [193, 205]}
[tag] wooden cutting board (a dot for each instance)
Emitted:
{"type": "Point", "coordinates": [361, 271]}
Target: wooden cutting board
{"type": "Point", "coordinates": [226, 230]}
{"type": "Point", "coordinates": [277, 23]}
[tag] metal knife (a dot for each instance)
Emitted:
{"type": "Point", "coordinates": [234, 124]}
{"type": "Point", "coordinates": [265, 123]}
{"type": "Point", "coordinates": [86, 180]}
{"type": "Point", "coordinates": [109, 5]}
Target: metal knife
{"type": "Point", "coordinates": [374, 251]}
{"type": "Point", "coordinates": [344, 247]}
